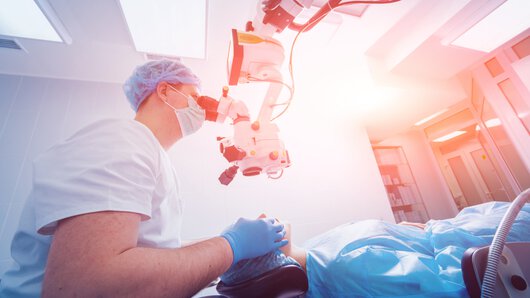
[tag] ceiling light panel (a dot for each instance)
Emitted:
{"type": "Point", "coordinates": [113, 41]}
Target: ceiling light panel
{"type": "Point", "coordinates": [449, 136]}
{"type": "Point", "coordinates": [427, 119]}
{"type": "Point", "coordinates": [167, 27]}
{"type": "Point", "coordinates": [498, 27]}
{"type": "Point", "coordinates": [28, 19]}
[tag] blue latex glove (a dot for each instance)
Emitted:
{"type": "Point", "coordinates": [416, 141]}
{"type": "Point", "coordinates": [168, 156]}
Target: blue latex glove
{"type": "Point", "coordinates": [250, 238]}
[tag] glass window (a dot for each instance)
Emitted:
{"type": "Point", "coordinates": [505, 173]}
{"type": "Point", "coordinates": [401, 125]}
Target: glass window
{"type": "Point", "coordinates": [522, 48]}
{"type": "Point", "coordinates": [494, 67]}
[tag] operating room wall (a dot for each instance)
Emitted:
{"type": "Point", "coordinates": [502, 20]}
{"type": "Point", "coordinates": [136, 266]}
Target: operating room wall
{"type": "Point", "coordinates": [333, 178]}
{"type": "Point", "coordinates": [35, 113]}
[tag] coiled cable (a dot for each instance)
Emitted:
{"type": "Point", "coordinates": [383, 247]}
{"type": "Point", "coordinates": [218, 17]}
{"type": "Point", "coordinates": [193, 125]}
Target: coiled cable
{"type": "Point", "coordinates": [497, 245]}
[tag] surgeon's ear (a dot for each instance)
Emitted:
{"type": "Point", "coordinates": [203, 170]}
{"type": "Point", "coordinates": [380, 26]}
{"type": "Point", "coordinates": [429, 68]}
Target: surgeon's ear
{"type": "Point", "coordinates": [161, 90]}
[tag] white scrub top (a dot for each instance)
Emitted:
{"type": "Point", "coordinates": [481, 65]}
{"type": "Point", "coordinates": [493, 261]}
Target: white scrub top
{"type": "Point", "coordinates": [111, 165]}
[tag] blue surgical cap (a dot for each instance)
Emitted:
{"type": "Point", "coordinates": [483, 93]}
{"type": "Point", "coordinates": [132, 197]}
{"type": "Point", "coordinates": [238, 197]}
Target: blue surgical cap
{"type": "Point", "coordinates": [146, 77]}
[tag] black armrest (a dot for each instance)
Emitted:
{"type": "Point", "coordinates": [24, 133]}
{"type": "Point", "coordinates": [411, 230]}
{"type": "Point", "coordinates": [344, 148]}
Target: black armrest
{"type": "Point", "coordinates": [513, 277]}
{"type": "Point", "coordinates": [284, 281]}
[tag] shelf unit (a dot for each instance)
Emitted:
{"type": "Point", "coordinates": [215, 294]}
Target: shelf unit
{"type": "Point", "coordinates": [403, 195]}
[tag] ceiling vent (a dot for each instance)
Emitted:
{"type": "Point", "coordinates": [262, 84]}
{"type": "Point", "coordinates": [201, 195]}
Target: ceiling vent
{"type": "Point", "coordinates": [9, 44]}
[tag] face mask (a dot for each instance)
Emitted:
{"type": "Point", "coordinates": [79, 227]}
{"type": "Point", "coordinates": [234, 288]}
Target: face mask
{"type": "Point", "coordinates": [189, 118]}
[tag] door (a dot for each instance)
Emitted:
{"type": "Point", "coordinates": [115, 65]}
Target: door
{"type": "Point", "coordinates": [471, 169]}
{"type": "Point", "coordinates": [468, 189]}
{"type": "Point", "coordinates": [495, 190]}
{"type": "Point", "coordinates": [477, 178]}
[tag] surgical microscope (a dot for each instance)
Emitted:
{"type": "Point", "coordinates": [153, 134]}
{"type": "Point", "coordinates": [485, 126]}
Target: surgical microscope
{"type": "Point", "coordinates": [255, 56]}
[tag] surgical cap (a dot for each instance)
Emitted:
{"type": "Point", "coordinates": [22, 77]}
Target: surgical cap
{"type": "Point", "coordinates": [146, 77]}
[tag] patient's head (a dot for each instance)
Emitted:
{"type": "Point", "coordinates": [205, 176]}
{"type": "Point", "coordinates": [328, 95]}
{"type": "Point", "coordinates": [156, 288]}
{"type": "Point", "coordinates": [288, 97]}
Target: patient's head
{"type": "Point", "coordinates": [250, 268]}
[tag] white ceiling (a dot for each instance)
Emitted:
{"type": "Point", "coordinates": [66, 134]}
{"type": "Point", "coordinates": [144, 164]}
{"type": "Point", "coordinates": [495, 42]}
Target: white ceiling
{"type": "Point", "coordinates": [392, 52]}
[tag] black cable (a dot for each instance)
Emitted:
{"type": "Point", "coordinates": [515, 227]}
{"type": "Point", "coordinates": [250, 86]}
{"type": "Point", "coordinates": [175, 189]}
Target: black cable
{"type": "Point", "coordinates": [307, 26]}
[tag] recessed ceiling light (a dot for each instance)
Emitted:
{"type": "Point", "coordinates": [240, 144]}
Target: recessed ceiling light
{"type": "Point", "coordinates": [167, 27]}
{"type": "Point", "coordinates": [501, 25]}
{"type": "Point", "coordinates": [31, 19]}
{"type": "Point", "coordinates": [426, 119]}
{"type": "Point", "coordinates": [454, 134]}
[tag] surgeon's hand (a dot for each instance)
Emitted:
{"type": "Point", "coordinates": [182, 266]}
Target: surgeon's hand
{"type": "Point", "coordinates": [250, 238]}
{"type": "Point", "coordinates": [286, 249]}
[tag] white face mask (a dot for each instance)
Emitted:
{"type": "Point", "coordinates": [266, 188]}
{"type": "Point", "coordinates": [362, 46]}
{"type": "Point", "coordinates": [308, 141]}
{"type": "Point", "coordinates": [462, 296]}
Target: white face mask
{"type": "Point", "coordinates": [190, 118]}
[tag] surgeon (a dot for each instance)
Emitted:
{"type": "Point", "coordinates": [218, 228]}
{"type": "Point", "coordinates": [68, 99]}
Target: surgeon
{"type": "Point", "coordinates": [104, 214]}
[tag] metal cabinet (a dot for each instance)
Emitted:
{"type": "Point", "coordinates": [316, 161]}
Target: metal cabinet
{"type": "Point", "coordinates": [403, 195]}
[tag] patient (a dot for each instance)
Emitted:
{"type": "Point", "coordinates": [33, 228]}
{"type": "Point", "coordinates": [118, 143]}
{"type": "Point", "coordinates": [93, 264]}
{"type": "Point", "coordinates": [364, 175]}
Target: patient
{"type": "Point", "coordinates": [376, 258]}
